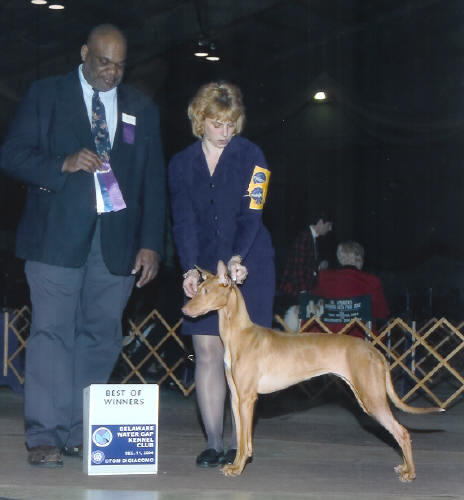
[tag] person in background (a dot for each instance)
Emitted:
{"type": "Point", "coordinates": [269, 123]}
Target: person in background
{"type": "Point", "coordinates": [218, 189]}
{"type": "Point", "coordinates": [88, 148]}
{"type": "Point", "coordinates": [350, 281]}
{"type": "Point", "coordinates": [305, 260]}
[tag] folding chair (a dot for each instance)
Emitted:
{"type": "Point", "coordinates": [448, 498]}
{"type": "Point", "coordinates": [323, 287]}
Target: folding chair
{"type": "Point", "coordinates": [335, 313]}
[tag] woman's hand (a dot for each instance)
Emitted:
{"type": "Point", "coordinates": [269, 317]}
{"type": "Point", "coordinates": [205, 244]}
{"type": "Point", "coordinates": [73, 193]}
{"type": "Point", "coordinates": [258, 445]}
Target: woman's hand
{"type": "Point", "coordinates": [237, 271]}
{"type": "Point", "coordinates": [191, 282]}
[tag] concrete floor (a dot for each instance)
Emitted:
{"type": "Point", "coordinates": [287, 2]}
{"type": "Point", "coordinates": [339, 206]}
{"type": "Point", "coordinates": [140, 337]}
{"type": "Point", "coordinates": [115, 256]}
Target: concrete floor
{"type": "Point", "coordinates": [302, 450]}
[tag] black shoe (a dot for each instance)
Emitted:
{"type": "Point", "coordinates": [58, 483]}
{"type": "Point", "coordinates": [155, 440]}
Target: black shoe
{"type": "Point", "coordinates": [228, 457]}
{"type": "Point", "coordinates": [209, 458]}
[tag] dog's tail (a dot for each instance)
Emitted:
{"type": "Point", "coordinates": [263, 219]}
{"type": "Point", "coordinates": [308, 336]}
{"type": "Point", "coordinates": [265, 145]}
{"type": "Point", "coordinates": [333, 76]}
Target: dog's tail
{"type": "Point", "coordinates": [400, 404]}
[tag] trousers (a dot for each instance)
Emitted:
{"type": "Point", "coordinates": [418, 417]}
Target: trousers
{"type": "Point", "coordinates": [75, 339]}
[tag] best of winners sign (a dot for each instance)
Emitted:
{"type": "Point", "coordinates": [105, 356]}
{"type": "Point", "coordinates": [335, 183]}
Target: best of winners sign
{"type": "Point", "coordinates": [121, 429]}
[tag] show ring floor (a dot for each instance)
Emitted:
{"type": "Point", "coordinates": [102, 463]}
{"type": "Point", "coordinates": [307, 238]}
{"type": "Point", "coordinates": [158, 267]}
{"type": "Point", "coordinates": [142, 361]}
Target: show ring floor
{"type": "Point", "coordinates": [327, 450]}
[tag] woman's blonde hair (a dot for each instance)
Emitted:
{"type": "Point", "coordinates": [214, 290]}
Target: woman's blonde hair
{"type": "Point", "coordinates": [217, 100]}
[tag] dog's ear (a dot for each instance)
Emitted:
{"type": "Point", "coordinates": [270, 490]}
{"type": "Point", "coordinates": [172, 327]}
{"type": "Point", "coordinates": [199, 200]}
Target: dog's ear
{"type": "Point", "coordinates": [204, 273]}
{"type": "Point", "coordinates": [223, 274]}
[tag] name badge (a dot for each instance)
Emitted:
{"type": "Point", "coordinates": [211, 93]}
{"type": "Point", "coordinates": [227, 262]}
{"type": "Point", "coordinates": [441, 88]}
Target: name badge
{"type": "Point", "coordinates": [128, 128]}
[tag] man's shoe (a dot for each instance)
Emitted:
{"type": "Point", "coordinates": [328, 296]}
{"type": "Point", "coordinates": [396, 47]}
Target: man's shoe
{"type": "Point", "coordinates": [45, 456]}
{"type": "Point", "coordinates": [72, 451]}
{"type": "Point", "coordinates": [209, 458]}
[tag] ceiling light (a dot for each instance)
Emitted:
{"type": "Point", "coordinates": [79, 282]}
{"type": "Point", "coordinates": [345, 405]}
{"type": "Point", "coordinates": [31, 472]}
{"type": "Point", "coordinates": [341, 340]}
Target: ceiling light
{"type": "Point", "coordinates": [201, 49]}
{"type": "Point", "coordinates": [56, 6]}
{"type": "Point", "coordinates": [212, 56]}
{"type": "Point", "coordinates": [320, 96]}
{"type": "Point", "coordinates": [39, 2]}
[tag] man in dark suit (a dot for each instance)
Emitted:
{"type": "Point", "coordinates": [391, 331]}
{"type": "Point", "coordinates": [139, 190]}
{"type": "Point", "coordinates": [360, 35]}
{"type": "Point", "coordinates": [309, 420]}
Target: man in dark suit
{"type": "Point", "coordinates": [305, 260]}
{"type": "Point", "coordinates": [89, 151]}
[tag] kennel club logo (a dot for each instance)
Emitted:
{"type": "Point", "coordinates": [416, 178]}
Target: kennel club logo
{"type": "Point", "coordinates": [98, 457]}
{"type": "Point", "coordinates": [102, 437]}
{"type": "Point", "coordinates": [257, 189]}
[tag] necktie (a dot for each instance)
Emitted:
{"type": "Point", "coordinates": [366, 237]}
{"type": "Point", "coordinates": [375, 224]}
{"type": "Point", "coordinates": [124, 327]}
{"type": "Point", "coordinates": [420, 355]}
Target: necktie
{"type": "Point", "coordinates": [111, 194]}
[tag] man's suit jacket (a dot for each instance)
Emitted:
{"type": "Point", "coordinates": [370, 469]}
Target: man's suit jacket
{"type": "Point", "coordinates": [60, 213]}
{"type": "Point", "coordinates": [301, 269]}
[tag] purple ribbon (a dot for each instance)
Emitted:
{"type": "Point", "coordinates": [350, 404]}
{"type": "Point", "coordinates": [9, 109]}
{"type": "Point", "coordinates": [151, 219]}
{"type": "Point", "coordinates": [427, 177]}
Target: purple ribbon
{"type": "Point", "coordinates": [111, 194]}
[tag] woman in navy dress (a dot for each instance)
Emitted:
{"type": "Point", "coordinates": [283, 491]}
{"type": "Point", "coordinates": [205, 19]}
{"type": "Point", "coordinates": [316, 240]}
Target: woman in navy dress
{"type": "Point", "coordinates": [218, 187]}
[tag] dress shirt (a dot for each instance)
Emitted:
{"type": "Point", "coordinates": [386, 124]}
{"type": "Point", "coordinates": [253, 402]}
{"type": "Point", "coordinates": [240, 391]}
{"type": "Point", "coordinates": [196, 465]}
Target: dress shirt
{"type": "Point", "coordinates": [315, 235]}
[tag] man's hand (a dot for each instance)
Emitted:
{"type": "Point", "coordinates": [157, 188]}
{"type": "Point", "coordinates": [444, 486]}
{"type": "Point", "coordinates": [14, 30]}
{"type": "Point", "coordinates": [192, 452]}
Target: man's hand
{"type": "Point", "coordinates": [84, 159]}
{"type": "Point", "coordinates": [147, 261]}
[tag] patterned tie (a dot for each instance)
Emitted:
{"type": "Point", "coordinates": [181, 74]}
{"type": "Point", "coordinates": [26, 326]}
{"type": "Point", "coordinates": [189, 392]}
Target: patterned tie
{"type": "Point", "coordinates": [111, 194]}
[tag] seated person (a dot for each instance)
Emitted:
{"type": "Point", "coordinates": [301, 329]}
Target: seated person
{"type": "Point", "coordinates": [350, 281]}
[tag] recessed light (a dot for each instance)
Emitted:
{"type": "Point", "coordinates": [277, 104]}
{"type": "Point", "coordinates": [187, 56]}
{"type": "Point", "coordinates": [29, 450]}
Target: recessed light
{"type": "Point", "coordinates": [201, 49]}
{"type": "Point", "coordinates": [320, 96]}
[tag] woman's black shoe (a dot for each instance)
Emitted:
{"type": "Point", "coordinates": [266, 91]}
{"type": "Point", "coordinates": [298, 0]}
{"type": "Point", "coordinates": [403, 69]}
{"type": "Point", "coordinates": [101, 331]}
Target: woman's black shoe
{"type": "Point", "coordinates": [228, 457]}
{"type": "Point", "coordinates": [209, 458]}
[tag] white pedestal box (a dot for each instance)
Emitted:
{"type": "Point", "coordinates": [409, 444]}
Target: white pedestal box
{"type": "Point", "coordinates": [121, 429]}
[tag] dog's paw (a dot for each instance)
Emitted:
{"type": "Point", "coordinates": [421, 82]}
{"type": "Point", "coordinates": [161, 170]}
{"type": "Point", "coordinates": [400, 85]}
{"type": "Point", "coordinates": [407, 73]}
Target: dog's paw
{"type": "Point", "coordinates": [404, 475]}
{"type": "Point", "coordinates": [407, 477]}
{"type": "Point", "coordinates": [231, 470]}
{"type": "Point", "coordinates": [399, 469]}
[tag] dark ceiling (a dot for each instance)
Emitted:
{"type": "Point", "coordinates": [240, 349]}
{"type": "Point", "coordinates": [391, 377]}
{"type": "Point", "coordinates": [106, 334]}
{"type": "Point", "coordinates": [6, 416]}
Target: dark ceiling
{"type": "Point", "coordinates": [275, 49]}
{"type": "Point", "coordinates": [382, 150]}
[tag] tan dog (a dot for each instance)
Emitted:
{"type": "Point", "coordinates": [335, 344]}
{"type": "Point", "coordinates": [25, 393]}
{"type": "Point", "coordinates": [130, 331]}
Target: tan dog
{"type": "Point", "coordinates": [261, 360]}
